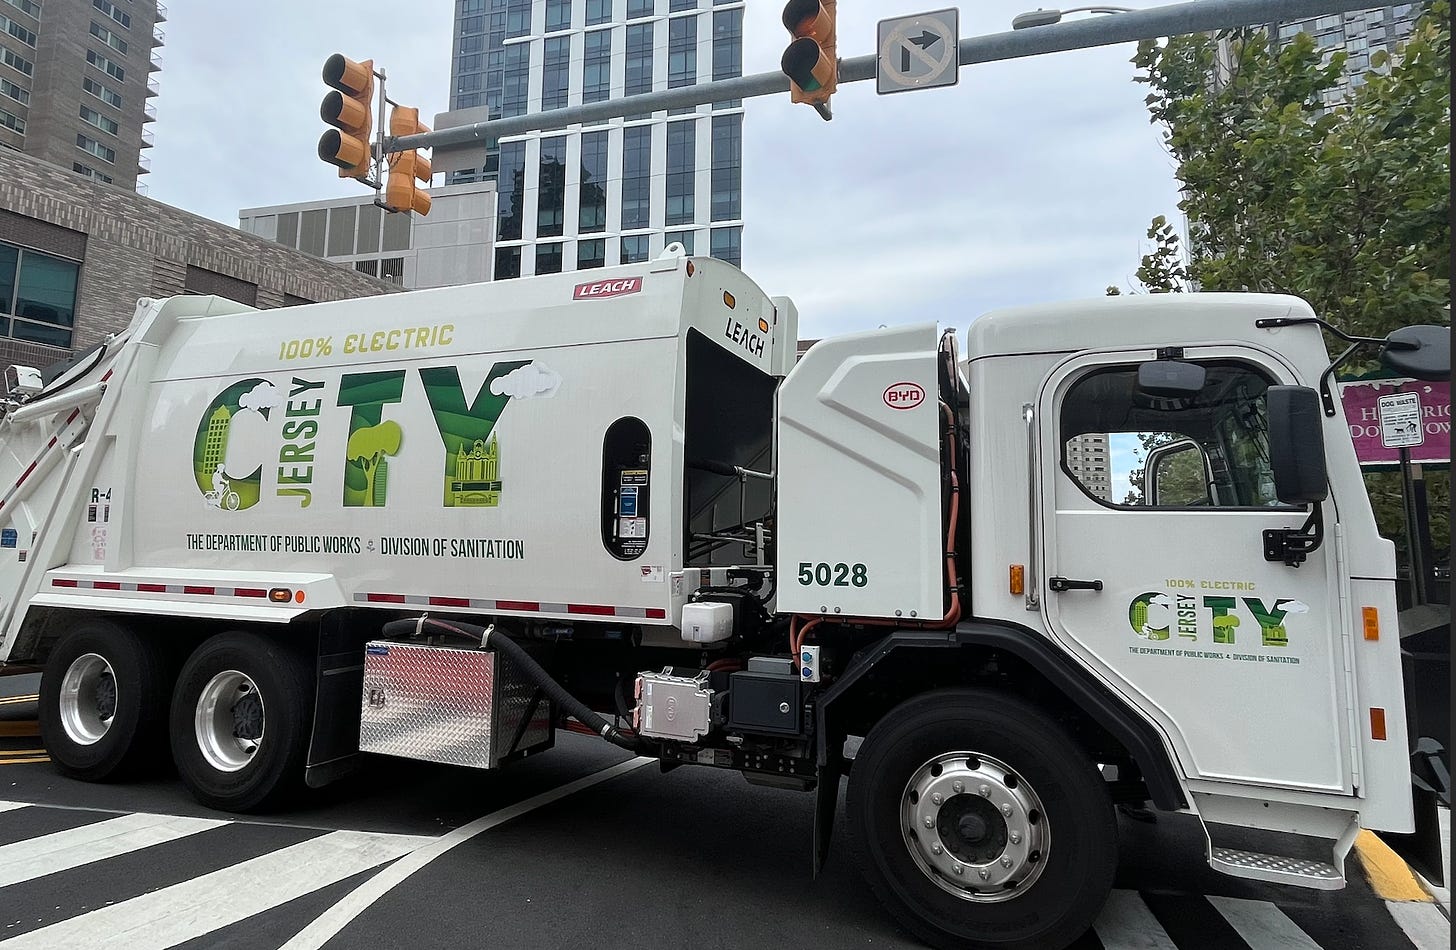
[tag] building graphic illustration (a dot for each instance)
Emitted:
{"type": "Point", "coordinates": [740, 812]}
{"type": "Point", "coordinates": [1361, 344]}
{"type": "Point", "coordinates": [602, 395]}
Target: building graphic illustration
{"type": "Point", "coordinates": [477, 476]}
{"type": "Point", "coordinates": [215, 442]}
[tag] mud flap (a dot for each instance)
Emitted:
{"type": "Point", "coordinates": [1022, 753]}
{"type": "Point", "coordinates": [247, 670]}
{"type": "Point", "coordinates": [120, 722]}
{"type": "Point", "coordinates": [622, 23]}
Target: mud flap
{"type": "Point", "coordinates": [1422, 849]}
{"type": "Point", "coordinates": [826, 804]}
{"type": "Point", "coordinates": [333, 749]}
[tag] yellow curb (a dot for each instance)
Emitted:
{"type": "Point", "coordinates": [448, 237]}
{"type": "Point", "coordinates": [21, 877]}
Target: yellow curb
{"type": "Point", "coordinates": [1388, 874]}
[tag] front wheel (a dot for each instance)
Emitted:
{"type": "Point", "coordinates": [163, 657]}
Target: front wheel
{"type": "Point", "coordinates": [980, 824]}
{"type": "Point", "coordinates": [240, 722]}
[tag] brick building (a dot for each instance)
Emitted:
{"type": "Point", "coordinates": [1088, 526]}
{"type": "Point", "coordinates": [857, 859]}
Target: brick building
{"type": "Point", "coordinates": [75, 256]}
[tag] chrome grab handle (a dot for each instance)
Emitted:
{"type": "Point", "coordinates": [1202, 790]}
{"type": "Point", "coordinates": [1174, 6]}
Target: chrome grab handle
{"type": "Point", "coordinates": [1028, 412]}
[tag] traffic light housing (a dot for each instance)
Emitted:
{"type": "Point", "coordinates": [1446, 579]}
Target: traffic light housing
{"type": "Point", "coordinates": [349, 109]}
{"type": "Point", "coordinates": [810, 61]}
{"type": "Point", "coordinates": [401, 193]}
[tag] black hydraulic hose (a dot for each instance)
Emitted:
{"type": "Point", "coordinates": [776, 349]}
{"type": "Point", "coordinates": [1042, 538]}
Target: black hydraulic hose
{"type": "Point", "coordinates": [492, 639]}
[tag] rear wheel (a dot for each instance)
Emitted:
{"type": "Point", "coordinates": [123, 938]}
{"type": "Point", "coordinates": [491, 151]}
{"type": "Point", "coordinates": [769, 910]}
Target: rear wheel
{"type": "Point", "coordinates": [240, 724]}
{"type": "Point", "coordinates": [980, 824]}
{"type": "Point", "coordinates": [103, 702]}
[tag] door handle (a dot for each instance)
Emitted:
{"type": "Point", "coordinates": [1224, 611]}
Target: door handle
{"type": "Point", "coordinates": [1060, 584]}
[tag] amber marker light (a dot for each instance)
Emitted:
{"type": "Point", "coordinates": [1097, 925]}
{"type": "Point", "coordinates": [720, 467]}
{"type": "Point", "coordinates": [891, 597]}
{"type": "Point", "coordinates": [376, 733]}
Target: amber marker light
{"type": "Point", "coordinates": [1370, 617]}
{"type": "Point", "coordinates": [1018, 579]}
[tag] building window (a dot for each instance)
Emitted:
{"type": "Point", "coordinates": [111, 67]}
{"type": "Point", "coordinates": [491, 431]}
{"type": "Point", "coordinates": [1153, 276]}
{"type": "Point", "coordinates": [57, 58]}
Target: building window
{"type": "Point", "coordinates": [675, 6]}
{"type": "Point", "coordinates": [685, 238]}
{"type": "Point", "coordinates": [639, 8]}
{"type": "Point", "coordinates": [636, 176]}
{"type": "Point", "coordinates": [12, 122]}
{"type": "Point", "coordinates": [518, 17]}
{"type": "Point", "coordinates": [507, 263]}
{"type": "Point", "coordinates": [16, 30]}
{"type": "Point", "coordinates": [551, 189]}
{"type": "Point", "coordinates": [511, 191]}
{"type": "Point", "coordinates": [105, 65]}
{"type": "Point", "coordinates": [556, 73]}
{"type": "Point", "coordinates": [548, 258]}
{"type": "Point", "coordinates": [639, 59]}
{"type": "Point", "coordinates": [104, 123]}
{"type": "Point", "coordinates": [727, 44]}
{"type": "Point", "coordinates": [681, 172]}
{"type": "Point", "coordinates": [10, 89]}
{"type": "Point", "coordinates": [591, 254]}
{"type": "Point", "coordinates": [37, 295]}
{"type": "Point", "coordinates": [16, 62]}
{"type": "Point", "coordinates": [596, 67]}
{"type": "Point", "coordinates": [682, 51]}
{"type": "Point", "coordinates": [107, 155]}
{"type": "Point", "coordinates": [109, 38]}
{"type": "Point", "coordinates": [598, 11]}
{"type": "Point", "coordinates": [110, 9]}
{"type": "Point", "coordinates": [727, 167]}
{"type": "Point", "coordinates": [90, 172]}
{"type": "Point", "coordinates": [26, 7]}
{"type": "Point", "coordinates": [341, 231]}
{"type": "Point", "coordinates": [727, 245]}
{"type": "Point", "coordinates": [392, 270]}
{"type": "Point", "coordinates": [516, 79]}
{"type": "Point", "coordinates": [558, 15]}
{"type": "Point", "coordinates": [370, 267]}
{"type": "Point", "coordinates": [634, 248]}
{"type": "Point", "coordinates": [101, 92]}
{"type": "Point", "coordinates": [592, 191]}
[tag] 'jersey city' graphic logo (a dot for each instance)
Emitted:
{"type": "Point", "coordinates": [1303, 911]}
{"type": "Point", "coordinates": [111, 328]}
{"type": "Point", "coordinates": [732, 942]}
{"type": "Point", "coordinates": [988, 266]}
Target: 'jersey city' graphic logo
{"type": "Point", "coordinates": [1157, 615]}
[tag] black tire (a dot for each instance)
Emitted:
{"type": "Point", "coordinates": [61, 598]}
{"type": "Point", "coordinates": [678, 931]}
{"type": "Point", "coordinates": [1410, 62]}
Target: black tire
{"type": "Point", "coordinates": [1058, 903]}
{"type": "Point", "coordinates": [112, 670]}
{"type": "Point", "coordinates": [279, 678]}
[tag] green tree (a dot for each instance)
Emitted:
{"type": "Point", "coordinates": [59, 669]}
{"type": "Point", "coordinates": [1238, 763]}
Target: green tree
{"type": "Point", "coordinates": [367, 447]}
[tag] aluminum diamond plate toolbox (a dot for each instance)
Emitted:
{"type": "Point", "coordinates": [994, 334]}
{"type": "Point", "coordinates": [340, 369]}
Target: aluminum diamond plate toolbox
{"type": "Point", "coordinates": [443, 704]}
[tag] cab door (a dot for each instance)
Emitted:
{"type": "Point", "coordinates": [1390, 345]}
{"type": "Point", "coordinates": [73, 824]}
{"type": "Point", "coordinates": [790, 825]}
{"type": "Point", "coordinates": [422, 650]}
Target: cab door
{"type": "Point", "coordinates": [1154, 508]}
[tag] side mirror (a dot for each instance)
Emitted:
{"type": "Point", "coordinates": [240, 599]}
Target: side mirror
{"type": "Point", "coordinates": [1176, 475]}
{"type": "Point", "coordinates": [1296, 445]}
{"type": "Point", "coordinates": [1422, 352]}
{"type": "Point", "coordinates": [1170, 378]}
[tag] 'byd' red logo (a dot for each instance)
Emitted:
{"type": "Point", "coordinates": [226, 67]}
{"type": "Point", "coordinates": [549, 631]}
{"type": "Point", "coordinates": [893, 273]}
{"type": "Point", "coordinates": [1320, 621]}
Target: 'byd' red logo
{"type": "Point", "coordinates": [904, 396]}
{"type": "Point", "coordinates": [607, 288]}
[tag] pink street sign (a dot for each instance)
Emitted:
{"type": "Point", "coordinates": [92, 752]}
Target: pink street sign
{"type": "Point", "coordinates": [1362, 412]}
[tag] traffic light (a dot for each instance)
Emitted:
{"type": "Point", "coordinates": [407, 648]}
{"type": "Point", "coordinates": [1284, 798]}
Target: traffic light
{"type": "Point", "coordinates": [401, 193]}
{"type": "Point", "coordinates": [349, 110]}
{"type": "Point", "coordinates": [810, 61]}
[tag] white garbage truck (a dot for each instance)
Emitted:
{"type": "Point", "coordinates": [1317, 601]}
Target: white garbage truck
{"type": "Point", "coordinates": [443, 525]}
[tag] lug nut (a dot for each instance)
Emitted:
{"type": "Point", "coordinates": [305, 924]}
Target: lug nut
{"type": "Point", "coordinates": [930, 822]}
{"type": "Point", "coordinates": [936, 849]}
{"type": "Point", "coordinates": [936, 799]}
{"type": "Point", "coordinates": [985, 875]}
{"type": "Point", "coordinates": [960, 869]}
{"type": "Point", "coordinates": [985, 791]}
{"type": "Point", "coordinates": [1015, 838]}
{"type": "Point", "coordinates": [1006, 862]}
{"type": "Point", "coordinates": [1006, 810]}
{"type": "Point", "coordinates": [958, 787]}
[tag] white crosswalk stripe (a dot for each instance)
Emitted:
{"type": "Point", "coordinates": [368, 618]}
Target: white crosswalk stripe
{"type": "Point", "coordinates": [1262, 924]}
{"type": "Point", "coordinates": [1126, 924]}
{"type": "Point", "coordinates": [63, 850]}
{"type": "Point", "coordinates": [11, 806]}
{"type": "Point", "coordinates": [193, 908]}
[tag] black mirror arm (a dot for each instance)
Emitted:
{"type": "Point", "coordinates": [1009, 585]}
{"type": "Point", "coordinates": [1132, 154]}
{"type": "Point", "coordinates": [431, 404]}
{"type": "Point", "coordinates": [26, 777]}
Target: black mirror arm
{"type": "Point", "coordinates": [1327, 392]}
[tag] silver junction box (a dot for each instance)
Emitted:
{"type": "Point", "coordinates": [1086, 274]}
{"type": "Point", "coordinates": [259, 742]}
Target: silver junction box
{"type": "Point", "coordinates": [673, 707]}
{"type": "Point", "coordinates": [443, 704]}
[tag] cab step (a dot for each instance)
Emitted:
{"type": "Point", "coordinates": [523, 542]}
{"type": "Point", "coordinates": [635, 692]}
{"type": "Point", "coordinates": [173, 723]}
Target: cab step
{"type": "Point", "coordinates": [1301, 872]}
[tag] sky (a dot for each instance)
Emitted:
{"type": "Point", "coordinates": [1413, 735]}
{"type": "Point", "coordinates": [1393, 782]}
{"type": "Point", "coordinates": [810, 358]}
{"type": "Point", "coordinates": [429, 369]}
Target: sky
{"type": "Point", "coordinates": [1030, 181]}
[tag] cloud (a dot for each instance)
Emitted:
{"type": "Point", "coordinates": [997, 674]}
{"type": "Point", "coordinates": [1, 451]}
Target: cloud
{"type": "Point", "coordinates": [1292, 606]}
{"type": "Point", "coordinates": [261, 396]}
{"type": "Point", "coordinates": [534, 380]}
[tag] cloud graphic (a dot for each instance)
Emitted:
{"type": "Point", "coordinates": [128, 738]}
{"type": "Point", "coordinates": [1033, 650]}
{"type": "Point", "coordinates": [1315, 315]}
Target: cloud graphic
{"type": "Point", "coordinates": [1292, 606]}
{"type": "Point", "coordinates": [1160, 613]}
{"type": "Point", "coordinates": [261, 396]}
{"type": "Point", "coordinates": [534, 380]}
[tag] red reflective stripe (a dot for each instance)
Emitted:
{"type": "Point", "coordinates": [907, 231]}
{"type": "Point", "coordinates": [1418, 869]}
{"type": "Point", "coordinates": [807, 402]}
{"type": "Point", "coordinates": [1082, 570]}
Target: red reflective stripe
{"type": "Point", "coordinates": [188, 589]}
{"type": "Point", "coordinates": [449, 601]}
{"type": "Point", "coordinates": [152, 588]}
{"type": "Point", "coordinates": [104, 378]}
{"type": "Point", "coordinates": [517, 605]}
{"type": "Point", "coordinates": [249, 592]}
{"type": "Point", "coordinates": [384, 598]}
{"type": "Point", "coordinates": [107, 585]}
{"type": "Point", "coordinates": [26, 474]}
{"type": "Point", "coordinates": [62, 582]}
{"type": "Point", "coordinates": [656, 613]}
{"type": "Point", "coordinates": [595, 610]}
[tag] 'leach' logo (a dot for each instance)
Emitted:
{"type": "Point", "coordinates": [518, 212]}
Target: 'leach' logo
{"type": "Point", "coordinates": [904, 396]}
{"type": "Point", "coordinates": [607, 288]}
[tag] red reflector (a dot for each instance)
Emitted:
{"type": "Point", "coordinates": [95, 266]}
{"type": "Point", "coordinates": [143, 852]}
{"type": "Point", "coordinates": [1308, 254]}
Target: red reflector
{"type": "Point", "coordinates": [595, 610]}
{"type": "Point", "coordinates": [249, 592]}
{"type": "Point", "coordinates": [527, 605]}
{"type": "Point", "coordinates": [449, 601]}
{"type": "Point", "coordinates": [1377, 723]}
{"type": "Point", "coordinates": [384, 598]}
{"type": "Point", "coordinates": [152, 588]}
{"type": "Point", "coordinates": [656, 613]}
{"type": "Point", "coordinates": [107, 585]}
{"type": "Point", "coordinates": [62, 582]}
{"type": "Point", "coordinates": [208, 591]}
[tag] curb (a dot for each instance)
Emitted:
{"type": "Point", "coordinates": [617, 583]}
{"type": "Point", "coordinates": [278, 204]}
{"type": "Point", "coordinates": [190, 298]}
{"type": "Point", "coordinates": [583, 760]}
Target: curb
{"type": "Point", "coordinates": [1389, 876]}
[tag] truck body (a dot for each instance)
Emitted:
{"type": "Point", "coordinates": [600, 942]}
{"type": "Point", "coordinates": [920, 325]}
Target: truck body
{"type": "Point", "coordinates": [442, 525]}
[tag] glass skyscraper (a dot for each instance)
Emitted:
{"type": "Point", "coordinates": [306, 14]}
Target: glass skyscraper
{"type": "Point", "coordinates": [621, 190]}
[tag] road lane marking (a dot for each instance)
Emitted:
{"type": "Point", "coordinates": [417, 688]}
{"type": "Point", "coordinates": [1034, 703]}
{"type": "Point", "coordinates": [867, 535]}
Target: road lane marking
{"type": "Point", "coordinates": [1262, 924]}
{"type": "Point", "coordinates": [1424, 924]}
{"type": "Point", "coordinates": [328, 924]}
{"type": "Point", "coordinates": [25, 761]}
{"type": "Point", "coordinates": [197, 907]}
{"type": "Point", "coordinates": [1126, 923]}
{"type": "Point", "coordinates": [1388, 874]}
{"type": "Point", "coordinates": [15, 700]}
{"type": "Point", "coordinates": [11, 806]}
{"type": "Point", "coordinates": [63, 850]}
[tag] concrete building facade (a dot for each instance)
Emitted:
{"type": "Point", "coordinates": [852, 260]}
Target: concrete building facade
{"type": "Point", "coordinates": [77, 254]}
{"type": "Point", "coordinates": [77, 79]}
{"type": "Point", "coordinates": [621, 190]}
{"type": "Point", "coordinates": [451, 246]}
{"type": "Point", "coordinates": [1360, 33]}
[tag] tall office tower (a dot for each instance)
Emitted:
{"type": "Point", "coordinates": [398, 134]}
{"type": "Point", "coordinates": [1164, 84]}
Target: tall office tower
{"type": "Point", "coordinates": [1360, 33]}
{"type": "Point", "coordinates": [1087, 456]}
{"type": "Point", "coordinates": [76, 83]}
{"type": "Point", "coordinates": [617, 191]}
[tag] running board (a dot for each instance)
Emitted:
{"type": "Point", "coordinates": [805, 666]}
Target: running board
{"type": "Point", "coordinates": [1278, 869]}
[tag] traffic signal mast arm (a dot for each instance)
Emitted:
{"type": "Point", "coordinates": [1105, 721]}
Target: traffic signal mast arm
{"type": "Point", "coordinates": [1195, 16]}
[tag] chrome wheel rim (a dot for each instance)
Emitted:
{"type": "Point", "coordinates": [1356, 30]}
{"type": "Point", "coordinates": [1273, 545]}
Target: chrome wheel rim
{"type": "Point", "coordinates": [229, 721]}
{"type": "Point", "coordinates": [974, 827]}
{"type": "Point", "coordinates": [88, 699]}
